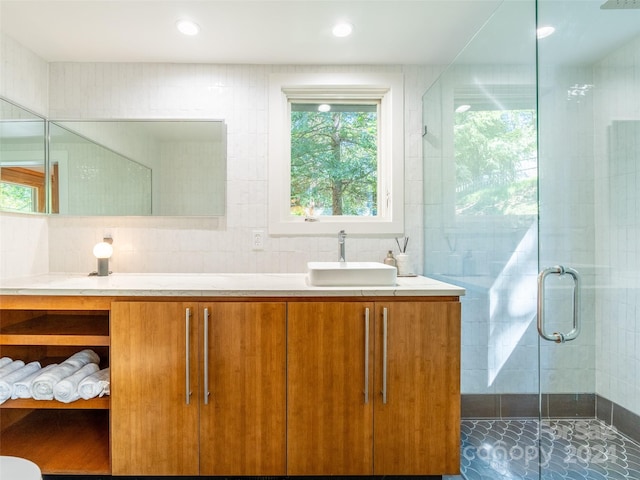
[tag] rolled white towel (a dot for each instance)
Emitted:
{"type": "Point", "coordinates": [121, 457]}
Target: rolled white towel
{"type": "Point", "coordinates": [66, 390]}
{"type": "Point", "coordinates": [95, 385]}
{"type": "Point", "coordinates": [5, 361]}
{"type": "Point", "coordinates": [22, 388]}
{"type": "Point", "coordinates": [7, 383]}
{"type": "Point", "coordinates": [83, 357]}
{"type": "Point", "coordinates": [11, 367]}
{"type": "Point", "coordinates": [42, 386]}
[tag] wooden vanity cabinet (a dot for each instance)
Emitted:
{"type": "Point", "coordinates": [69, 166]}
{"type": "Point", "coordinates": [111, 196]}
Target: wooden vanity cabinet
{"type": "Point", "coordinates": [242, 420]}
{"type": "Point", "coordinates": [154, 426]}
{"type": "Point", "coordinates": [255, 387]}
{"type": "Point", "coordinates": [198, 388]}
{"type": "Point", "coordinates": [344, 417]}
{"type": "Point", "coordinates": [417, 426]}
{"type": "Point", "coordinates": [329, 366]}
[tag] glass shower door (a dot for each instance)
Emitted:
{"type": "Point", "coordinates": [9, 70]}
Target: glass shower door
{"type": "Point", "coordinates": [588, 74]}
{"type": "Point", "coordinates": [531, 155]}
{"type": "Point", "coordinates": [481, 232]}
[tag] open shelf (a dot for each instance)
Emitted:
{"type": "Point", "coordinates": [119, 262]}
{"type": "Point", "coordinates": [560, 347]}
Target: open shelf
{"type": "Point", "coordinates": [61, 438]}
{"type": "Point", "coordinates": [62, 442]}
{"type": "Point", "coordinates": [58, 329]}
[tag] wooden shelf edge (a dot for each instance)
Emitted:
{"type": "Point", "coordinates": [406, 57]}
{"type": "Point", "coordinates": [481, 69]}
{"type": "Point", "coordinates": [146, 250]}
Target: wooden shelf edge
{"type": "Point", "coordinates": [55, 302]}
{"type": "Point", "coordinates": [100, 403]}
{"type": "Point", "coordinates": [63, 340]}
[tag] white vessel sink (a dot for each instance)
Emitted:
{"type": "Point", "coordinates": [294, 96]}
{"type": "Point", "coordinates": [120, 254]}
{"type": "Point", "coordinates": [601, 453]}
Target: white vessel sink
{"type": "Point", "coordinates": [351, 274]}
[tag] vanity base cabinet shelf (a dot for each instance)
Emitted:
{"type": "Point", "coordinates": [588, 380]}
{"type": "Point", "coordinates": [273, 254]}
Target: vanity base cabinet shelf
{"type": "Point", "coordinates": [61, 438]}
{"type": "Point", "coordinates": [97, 403]}
{"type": "Point", "coordinates": [61, 442]}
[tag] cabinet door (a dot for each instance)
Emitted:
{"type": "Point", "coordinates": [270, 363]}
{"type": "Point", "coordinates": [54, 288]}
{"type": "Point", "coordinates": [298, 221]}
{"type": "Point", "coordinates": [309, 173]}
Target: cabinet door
{"type": "Point", "coordinates": [329, 420]}
{"type": "Point", "coordinates": [154, 421]}
{"type": "Point", "coordinates": [242, 420]}
{"type": "Point", "coordinates": [417, 425]}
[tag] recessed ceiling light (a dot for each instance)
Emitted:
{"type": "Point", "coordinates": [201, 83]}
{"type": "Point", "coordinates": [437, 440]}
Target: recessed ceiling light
{"type": "Point", "coordinates": [342, 29]}
{"type": "Point", "coordinates": [463, 108]}
{"type": "Point", "coordinates": [324, 107]}
{"type": "Point", "coordinates": [187, 27]}
{"type": "Point", "coordinates": [545, 31]}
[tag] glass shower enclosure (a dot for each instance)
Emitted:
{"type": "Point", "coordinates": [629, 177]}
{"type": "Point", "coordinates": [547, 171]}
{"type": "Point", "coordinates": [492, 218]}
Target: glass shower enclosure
{"type": "Point", "coordinates": [531, 152]}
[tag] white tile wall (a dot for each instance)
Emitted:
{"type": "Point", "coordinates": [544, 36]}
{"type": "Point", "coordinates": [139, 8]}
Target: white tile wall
{"type": "Point", "coordinates": [24, 245]}
{"type": "Point", "coordinates": [24, 76]}
{"type": "Point", "coordinates": [237, 94]}
{"type": "Point", "coordinates": [617, 219]}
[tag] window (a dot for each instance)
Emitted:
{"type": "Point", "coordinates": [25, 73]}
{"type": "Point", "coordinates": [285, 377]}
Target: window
{"type": "Point", "coordinates": [334, 159]}
{"type": "Point", "coordinates": [336, 154]}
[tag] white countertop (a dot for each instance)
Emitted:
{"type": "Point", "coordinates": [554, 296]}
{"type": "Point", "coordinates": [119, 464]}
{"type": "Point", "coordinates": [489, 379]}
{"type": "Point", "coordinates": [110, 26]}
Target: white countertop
{"type": "Point", "coordinates": [213, 285]}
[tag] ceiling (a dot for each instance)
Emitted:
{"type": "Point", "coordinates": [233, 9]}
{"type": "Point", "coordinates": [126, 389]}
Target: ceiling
{"type": "Point", "coordinates": [246, 31]}
{"type": "Point", "coordinates": [427, 32]}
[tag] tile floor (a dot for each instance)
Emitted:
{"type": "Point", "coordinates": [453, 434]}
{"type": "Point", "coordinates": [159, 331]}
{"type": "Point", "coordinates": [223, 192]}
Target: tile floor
{"type": "Point", "coordinates": [575, 449]}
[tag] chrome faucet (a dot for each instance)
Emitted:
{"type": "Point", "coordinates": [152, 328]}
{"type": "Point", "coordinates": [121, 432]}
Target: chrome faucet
{"type": "Point", "coordinates": [341, 243]}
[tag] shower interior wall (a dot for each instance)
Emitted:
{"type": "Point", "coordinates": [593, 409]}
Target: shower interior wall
{"type": "Point", "coordinates": [617, 225]}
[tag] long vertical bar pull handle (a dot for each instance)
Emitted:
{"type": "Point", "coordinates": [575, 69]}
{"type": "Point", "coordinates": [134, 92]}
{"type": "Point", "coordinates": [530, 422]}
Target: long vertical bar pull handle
{"type": "Point", "coordinates": [575, 331]}
{"type": "Point", "coordinates": [187, 322]}
{"type": "Point", "coordinates": [384, 354]}
{"type": "Point", "coordinates": [206, 356]}
{"type": "Point", "coordinates": [366, 356]}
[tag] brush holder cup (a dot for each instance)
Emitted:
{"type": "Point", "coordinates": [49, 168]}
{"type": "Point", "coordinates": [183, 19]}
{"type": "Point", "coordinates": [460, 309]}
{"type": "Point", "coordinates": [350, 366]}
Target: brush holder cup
{"type": "Point", "coordinates": [403, 264]}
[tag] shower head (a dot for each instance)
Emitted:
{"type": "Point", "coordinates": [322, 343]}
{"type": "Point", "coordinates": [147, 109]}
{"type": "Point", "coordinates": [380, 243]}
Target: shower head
{"type": "Point", "coordinates": [620, 4]}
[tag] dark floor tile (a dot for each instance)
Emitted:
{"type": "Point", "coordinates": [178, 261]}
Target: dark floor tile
{"type": "Point", "coordinates": [580, 449]}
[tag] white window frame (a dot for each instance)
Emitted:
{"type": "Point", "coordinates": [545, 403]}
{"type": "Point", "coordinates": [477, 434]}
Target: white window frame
{"type": "Point", "coordinates": [388, 89]}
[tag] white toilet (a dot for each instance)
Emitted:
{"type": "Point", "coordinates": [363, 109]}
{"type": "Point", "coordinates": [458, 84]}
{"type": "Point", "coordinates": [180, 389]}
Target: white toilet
{"type": "Point", "coordinates": [14, 468]}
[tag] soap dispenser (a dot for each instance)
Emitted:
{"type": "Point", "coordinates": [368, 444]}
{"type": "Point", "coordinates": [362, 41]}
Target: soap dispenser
{"type": "Point", "coordinates": [390, 260]}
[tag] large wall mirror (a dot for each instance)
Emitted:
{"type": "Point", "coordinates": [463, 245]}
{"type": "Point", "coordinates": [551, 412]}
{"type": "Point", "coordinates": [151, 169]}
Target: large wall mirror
{"type": "Point", "coordinates": [135, 167]}
{"type": "Point", "coordinates": [22, 160]}
{"type": "Point", "coordinates": [115, 167]}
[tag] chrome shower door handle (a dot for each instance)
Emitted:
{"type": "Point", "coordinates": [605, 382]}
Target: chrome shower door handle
{"type": "Point", "coordinates": [575, 331]}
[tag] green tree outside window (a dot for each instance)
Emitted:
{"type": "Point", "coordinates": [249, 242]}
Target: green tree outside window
{"type": "Point", "coordinates": [334, 160]}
